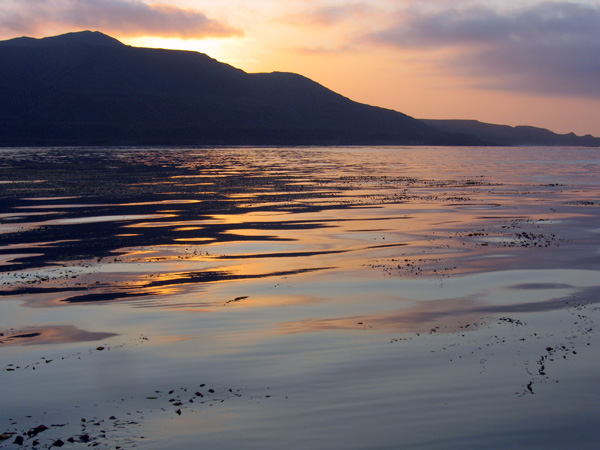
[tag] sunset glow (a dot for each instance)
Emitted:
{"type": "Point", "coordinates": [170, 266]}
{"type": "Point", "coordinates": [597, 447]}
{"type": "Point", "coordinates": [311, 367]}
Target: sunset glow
{"type": "Point", "coordinates": [508, 62]}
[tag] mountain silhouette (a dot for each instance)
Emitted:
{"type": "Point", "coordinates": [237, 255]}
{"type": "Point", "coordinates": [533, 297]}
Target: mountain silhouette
{"type": "Point", "coordinates": [91, 38]}
{"type": "Point", "coordinates": [86, 88]}
{"type": "Point", "coordinates": [513, 136]}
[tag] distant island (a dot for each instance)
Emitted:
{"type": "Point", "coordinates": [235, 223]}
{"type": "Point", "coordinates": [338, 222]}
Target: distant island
{"type": "Point", "coordinates": [86, 88]}
{"type": "Point", "coordinates": [513, 136]}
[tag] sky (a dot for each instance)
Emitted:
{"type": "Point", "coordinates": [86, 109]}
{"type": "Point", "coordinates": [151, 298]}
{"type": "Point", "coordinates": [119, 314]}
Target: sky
{"type": "Point", "coordinates": [512, 62]}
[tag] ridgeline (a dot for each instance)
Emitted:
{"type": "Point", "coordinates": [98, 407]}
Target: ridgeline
{"type": "Point", "coordinates": [86, 88]}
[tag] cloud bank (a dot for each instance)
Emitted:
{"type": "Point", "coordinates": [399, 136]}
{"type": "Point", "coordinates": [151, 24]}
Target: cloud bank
{"type": "Point", "coordinates": [329, 15]}
{"type": "Point", "coordinates": [122, 17]}
{"type": "Point", "coordinates": [547, 48]}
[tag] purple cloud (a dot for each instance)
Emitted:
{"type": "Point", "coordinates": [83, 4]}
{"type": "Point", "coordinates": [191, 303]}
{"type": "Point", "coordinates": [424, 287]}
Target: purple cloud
{"type": "Point", "coordinates": [546, 48]}
{"type": "Point", "coordinates": [330, 15]}
{"type": "Point", "coordinates": [124, 17]}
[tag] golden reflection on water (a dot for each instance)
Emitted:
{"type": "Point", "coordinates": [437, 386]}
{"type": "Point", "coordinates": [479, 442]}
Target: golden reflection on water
{"type": "Point", "coordinates": [57, 334]}
{"type": "Point", "coordinates": [290, 271]}
{"type": "Point", "coordinates": [433, 316]}
{"type": "Point", "coordinates": [282, 215]}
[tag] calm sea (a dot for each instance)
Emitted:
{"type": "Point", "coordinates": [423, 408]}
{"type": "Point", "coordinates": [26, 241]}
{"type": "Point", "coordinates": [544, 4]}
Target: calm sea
{"type": "Point", "coordinates": [329, 298]}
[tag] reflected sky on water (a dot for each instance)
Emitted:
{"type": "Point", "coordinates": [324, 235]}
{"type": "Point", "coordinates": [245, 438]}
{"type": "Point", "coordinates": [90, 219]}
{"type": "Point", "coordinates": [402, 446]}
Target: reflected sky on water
{"type": "Point", "coordinates": [332, 298]}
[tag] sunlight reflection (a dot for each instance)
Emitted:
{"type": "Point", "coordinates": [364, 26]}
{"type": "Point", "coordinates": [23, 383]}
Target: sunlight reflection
{"type": "Point", "coordinates": [52, 335]}
{"type": "Point", "coordinates": [289, 272]}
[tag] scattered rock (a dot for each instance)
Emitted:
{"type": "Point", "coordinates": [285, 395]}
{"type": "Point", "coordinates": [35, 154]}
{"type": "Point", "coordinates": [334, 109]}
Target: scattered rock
{"type": "Point", "coordinates": [237, 299]}
{"type": "Point", "coordinates": [37, 430]}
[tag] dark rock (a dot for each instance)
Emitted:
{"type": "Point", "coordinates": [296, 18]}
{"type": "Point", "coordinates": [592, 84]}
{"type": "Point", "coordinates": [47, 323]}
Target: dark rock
{"type": "Point", "coordinates": [37, 430]}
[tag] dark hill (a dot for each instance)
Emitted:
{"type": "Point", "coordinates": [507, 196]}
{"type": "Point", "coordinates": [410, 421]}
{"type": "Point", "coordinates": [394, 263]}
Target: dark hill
{"type": "Point", "coordinates": [87, 88]}
{"type": "Point", "coordinates": [93, 38]}
{"type": "Point", "coordinates": [513, 136]}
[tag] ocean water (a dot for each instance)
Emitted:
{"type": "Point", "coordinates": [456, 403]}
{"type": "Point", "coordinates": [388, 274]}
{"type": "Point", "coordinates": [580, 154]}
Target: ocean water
{"type": "Point", "coordinates": [331, 298]}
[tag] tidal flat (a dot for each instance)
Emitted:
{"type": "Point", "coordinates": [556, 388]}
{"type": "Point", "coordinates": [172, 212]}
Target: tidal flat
{"type": "Point", "coordinates": [330, 298]}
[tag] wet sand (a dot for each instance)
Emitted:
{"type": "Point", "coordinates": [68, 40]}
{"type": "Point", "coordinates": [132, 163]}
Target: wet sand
{"type": "Point", "coordinates": [312, 298]}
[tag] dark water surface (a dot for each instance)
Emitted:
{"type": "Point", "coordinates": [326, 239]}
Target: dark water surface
{"type": "Point", "coordinates": [331, 298]}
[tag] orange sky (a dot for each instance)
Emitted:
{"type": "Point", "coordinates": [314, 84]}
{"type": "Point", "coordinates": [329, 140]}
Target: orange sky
{"type": "Point", "coordinates": [502, 61]}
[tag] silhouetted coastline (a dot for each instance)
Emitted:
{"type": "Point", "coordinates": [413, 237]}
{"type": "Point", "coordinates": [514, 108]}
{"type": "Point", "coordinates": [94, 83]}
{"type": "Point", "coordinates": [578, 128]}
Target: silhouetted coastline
{"type": "Point", "coordinates": [88, 89]}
